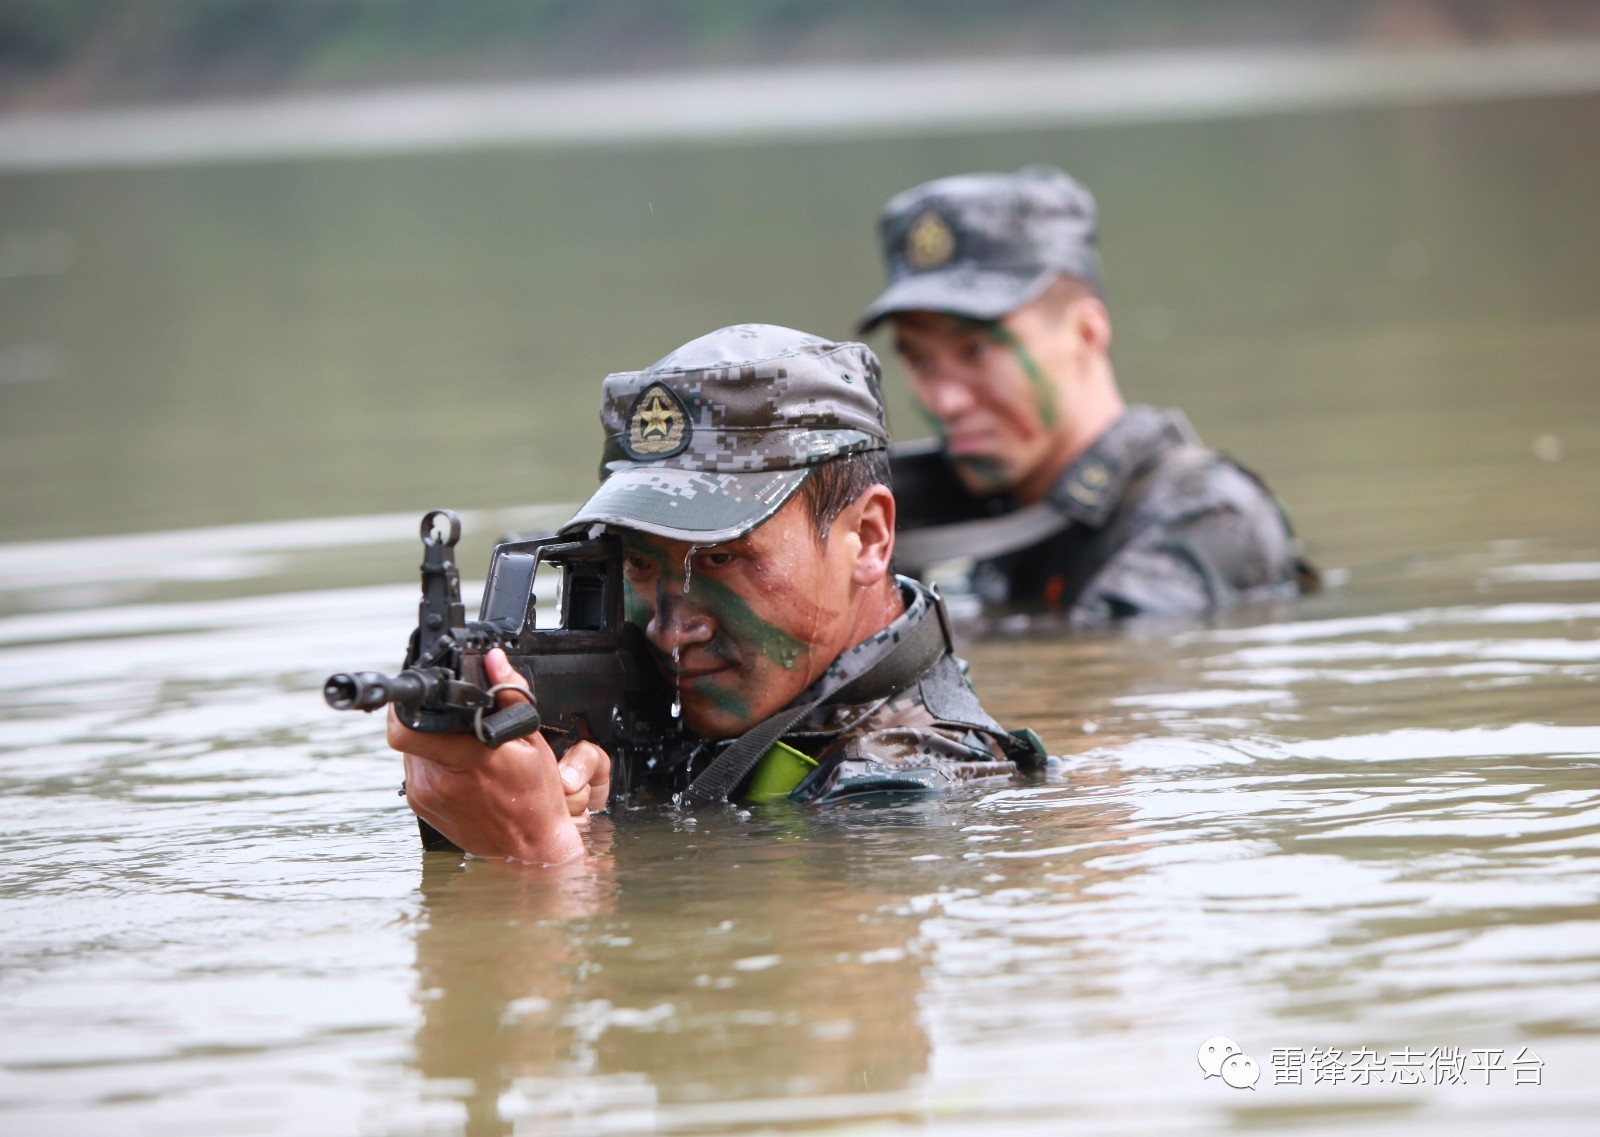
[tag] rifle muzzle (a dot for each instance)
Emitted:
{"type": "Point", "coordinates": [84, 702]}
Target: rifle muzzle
{"type": "Point", "coordinates": [369, 690]}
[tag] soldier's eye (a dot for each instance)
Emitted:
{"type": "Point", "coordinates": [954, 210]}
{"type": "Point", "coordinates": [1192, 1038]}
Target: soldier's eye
{"type": "Point", "coordinates": [634, 565]}
{"type": "Point", "coordinates": [716, 559]}
{"type": "Point", "coordinates": [914, 360]}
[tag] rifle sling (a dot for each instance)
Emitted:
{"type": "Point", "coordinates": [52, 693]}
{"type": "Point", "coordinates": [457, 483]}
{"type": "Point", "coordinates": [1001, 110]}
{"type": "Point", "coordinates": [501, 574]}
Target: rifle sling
{"type": "Point", "coordinates": [990, 536]}
{"type": "Point", "coordinates": [899, 668]}
{"type": "Point", "coordinates": [1022, 529]}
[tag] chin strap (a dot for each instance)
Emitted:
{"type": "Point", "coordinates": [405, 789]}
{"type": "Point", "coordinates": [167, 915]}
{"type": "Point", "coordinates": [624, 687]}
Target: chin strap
{"type": "Point", "coordinates": [900, 667]}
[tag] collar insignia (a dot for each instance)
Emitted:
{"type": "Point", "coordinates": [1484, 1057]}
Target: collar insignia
{"type": "Point", "coordinates": [1089, 485]}
{"type": "Point", "coordinates": [929, 243]}
{"type": "Point", "coordinates": [658, 426]}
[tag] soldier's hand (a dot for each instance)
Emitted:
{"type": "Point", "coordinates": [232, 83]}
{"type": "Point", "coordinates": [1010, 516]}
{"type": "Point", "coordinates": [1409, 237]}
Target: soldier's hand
{"type": "Point", "coordinates": [585, 768]}
{"type": "Point", "coordinates": [586, 777]}
{"type": "Point", "coordinates": [508, 803]}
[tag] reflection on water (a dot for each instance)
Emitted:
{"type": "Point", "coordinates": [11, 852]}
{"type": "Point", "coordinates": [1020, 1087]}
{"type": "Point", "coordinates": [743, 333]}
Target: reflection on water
{"type": "Point", "coordinates": [1367, 820]}
{"type": "Point", "coordinates": [1360, 823]}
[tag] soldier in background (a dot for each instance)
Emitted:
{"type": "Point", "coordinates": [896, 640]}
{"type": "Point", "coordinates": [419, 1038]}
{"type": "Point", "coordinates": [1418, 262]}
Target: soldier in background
{"type": "Point", "coordinates": [745, 474]}
{"type": "Point", "coordinates": [1072, 501]}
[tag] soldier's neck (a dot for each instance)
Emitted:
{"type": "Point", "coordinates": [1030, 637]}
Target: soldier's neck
{"type": "Point", "coordinates": [881, 606]}
{"type": "Point", "coordinates": [1081, 418]}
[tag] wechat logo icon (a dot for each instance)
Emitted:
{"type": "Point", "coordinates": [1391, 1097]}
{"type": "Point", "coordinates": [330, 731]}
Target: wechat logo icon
{"type": "Point", "coordinates": [1223, 1057]}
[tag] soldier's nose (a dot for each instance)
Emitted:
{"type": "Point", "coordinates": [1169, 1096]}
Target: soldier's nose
{"type": "Point", "coordinates": [678, 625]}
{"type": "Point", "coordinates": [948, 397]}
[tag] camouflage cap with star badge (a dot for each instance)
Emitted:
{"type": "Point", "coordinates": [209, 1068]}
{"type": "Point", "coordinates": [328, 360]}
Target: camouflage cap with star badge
{"type": "Point", "coordinates": [707, 443]}
{"type": "Point", "coordinates": [983, 245]}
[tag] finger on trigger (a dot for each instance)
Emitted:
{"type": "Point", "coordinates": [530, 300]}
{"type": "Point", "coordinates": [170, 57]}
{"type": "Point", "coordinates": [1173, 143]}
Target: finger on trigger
{"type": "Point", "coordinates": [500, 669]}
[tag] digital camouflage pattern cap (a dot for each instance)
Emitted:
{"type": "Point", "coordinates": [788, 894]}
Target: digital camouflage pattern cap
{"type": "Point", "coordinates": [982, 245]}
{"type": "Point", "coordinates": [709, 442]}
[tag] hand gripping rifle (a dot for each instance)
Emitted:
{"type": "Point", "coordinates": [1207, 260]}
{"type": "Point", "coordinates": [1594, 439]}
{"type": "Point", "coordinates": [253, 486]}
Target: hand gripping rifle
{"type": "Point", "coordinates": [590, 674]}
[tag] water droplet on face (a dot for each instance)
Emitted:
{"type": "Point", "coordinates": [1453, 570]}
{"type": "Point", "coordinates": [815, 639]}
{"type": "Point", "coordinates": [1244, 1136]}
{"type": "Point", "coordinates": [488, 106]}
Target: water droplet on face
{"type": "Point", "coordinates": [677, 682]}
{"type": "Point", "coordinates": [688, 568]}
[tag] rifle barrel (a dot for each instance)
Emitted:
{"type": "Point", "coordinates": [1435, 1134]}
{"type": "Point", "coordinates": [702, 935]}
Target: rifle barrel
{"type": "Point", "coordinates": [369, 690]}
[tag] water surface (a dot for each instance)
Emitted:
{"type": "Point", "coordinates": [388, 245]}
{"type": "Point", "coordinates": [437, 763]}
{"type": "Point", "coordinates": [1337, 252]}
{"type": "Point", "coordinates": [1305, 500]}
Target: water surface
{"type": "Point", "coordinates": [1367, 820]}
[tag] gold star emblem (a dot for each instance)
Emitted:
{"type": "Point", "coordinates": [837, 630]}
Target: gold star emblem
{"type": "Point", "coordinates": [657, 425]}
{"type": "Point", "coordinates": [655, 418]}
{"type": "Point", "coordinates": [929, 243]}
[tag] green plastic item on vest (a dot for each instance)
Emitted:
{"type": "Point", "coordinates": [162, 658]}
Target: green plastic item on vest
{"type": "Point", "coordinates": [780, 770]}
{"type": "Point", "coordinates": [1029, 736]}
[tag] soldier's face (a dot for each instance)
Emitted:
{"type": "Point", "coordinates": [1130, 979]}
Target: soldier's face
{"type": "Point", "coordinates": [992, 389]}
{"type": "Point", "coordinates": [743, 627]}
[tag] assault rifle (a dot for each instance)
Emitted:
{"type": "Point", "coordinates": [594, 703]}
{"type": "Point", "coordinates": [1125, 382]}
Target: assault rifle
{"type": "Point", "coordinates": [590, 672]}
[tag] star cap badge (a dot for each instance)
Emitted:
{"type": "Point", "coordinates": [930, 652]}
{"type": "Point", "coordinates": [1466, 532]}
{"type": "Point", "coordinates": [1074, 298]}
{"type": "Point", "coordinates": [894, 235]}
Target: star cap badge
{"type": "Point", "coordinates": [929, 242]}
{"type": "Point", "coordinates": [658, 425]}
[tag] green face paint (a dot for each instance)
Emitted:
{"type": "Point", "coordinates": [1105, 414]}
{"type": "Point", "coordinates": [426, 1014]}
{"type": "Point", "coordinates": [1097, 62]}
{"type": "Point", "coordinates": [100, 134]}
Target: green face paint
{"type": "Point", "coordinates": [986, 475]}
{"type": "Point", "coordinates": [634, 608]}
{"type": "Point", "coordinates": [732, 613]}
{"type": "Point", "coordinates": [741, 637]}
{"type": "Point", "coordinates": [736, 621]}
{"type": "Point", "coordinates": [725, 700]}
{"type": "Point", "coordinates": [1044, 393]}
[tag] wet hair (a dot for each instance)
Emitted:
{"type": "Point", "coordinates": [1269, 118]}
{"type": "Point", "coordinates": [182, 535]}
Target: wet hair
{"type": "Point", "coordinates": [836, 483]}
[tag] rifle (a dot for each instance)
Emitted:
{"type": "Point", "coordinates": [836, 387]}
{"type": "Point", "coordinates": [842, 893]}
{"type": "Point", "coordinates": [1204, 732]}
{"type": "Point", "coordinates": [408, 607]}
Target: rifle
{"type": "Point", "coordinates": [590, 674]}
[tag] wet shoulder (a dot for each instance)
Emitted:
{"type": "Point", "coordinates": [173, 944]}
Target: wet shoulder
{"type": "Point", "coordinates": [1186, 479]}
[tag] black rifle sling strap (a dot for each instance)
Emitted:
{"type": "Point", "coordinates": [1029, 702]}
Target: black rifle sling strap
{"type": "Point", "coordinates": [989, 537]}
{"type": "Point", "coordinates": [916, 549]}
{"type": "Point", "coordinates": [899, 668]}
{"type": "Point", "coordinates": [992, 537]}
{"type": "Point", "coordinates": [1086, 557]}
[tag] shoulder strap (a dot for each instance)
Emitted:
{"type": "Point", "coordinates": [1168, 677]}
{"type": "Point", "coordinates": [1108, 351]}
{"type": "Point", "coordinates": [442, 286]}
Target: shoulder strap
{"type": "Point", "coordinates": [990, 537]}
{"type": "Point", "coordinates": [916, 549]}
{"type": "Point", "coordinates": [1080, 555]}
{"type": "Point", "coordinates": [899, 668]}
{"type": "Point", "coordinates": [1100, 546]}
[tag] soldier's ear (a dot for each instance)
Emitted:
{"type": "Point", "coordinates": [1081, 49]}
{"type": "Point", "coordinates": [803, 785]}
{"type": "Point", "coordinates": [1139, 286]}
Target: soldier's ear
{"type": "Point", "coordinates": [1092, 323]}
{"type": "Point", "coordinates": [872, 519]}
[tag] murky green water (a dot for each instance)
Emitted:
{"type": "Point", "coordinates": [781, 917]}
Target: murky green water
{"type": "Point", "coordinates": [1367, 822]}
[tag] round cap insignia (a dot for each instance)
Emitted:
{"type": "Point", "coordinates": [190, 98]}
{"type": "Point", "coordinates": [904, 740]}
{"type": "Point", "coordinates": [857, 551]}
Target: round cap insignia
{"type": "Point", "coordinates": [658, 426]}
{"type": "Point", "coordinates": [929, 243]}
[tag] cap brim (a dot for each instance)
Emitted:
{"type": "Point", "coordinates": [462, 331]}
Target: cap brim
{"type": "Point", "coordinates": [982, 294]}
{"type": "Point", "coordinates": [688, 505]}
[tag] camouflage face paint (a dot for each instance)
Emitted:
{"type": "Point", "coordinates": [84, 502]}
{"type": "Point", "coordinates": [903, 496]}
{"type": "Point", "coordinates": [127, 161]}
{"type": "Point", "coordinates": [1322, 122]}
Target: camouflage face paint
{"type": "Point", "coordinates": [634, 607]}
{"type": "Point", "coordinates": [737, 621]}
{"type": "Point", "coordinates": [726, 700]}
{"type": "Point", "coordinates": [727, 673]}
{"type": "Point", "coordinates": [985, 474]}
{"type": "Point", "coordinates": [1044, 391]}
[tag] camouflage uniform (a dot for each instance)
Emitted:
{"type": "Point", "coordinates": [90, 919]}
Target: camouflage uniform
{"type": "Point", "coordinates": [1198, 532]}
{"type": "Point", "coordinates": [1154, 524]}
{"type": "Point", "coordinates": [925, 739]}
{"type": "Point", "coordinates": [705, 446]}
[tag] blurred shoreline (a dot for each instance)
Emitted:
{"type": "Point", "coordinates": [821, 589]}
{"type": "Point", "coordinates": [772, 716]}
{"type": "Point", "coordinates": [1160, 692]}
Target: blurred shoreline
{"type": "Point", "coordinates": [800, 102]}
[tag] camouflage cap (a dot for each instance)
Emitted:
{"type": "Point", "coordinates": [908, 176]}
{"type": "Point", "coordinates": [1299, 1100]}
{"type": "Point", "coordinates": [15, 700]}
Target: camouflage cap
{"type": "Point", "coordinates": [709, 442]}
{"type": "Point", "coordinates": [982, 245]}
